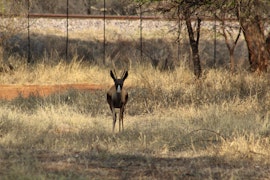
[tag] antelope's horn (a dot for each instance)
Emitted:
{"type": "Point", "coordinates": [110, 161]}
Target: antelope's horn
{"type": "Point", "coordinates": [114, 73]}
{"type": "Point", "coordinates": [123, 73]}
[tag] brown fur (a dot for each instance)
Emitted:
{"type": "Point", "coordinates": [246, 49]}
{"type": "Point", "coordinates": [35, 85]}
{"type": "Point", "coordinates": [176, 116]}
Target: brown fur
{"type": "Point", "coordinates": [118, 99]}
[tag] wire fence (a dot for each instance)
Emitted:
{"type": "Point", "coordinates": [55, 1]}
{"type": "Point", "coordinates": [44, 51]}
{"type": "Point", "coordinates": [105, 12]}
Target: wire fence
{"type": "Point", "coordinates": [104, 39]}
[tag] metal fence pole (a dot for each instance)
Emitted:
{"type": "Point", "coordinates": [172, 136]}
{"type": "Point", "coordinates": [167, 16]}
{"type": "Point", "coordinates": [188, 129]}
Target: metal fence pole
{"type": "Point", "coordinates": [178, 33]}
{"type": "Point", "coordinates": [215, 42]}
{"type": "Point", "coordinates": [67, 38]}
{"type": "Point", "coordinates": [104, 33]}
{"type": "Point", "coordinates": [141, 39]}
{"type": "Point", "coordinates": [29, 58]}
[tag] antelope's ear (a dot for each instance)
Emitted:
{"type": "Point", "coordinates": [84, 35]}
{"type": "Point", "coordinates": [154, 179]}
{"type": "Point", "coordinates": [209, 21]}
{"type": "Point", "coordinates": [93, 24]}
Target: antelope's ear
{"type": "Point", "coordinates": [125, 75]}
{"type": "Point", "coordinates": [112, 75]}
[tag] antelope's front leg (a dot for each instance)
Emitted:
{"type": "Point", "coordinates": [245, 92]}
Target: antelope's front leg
{"type": "Point", "coordinates": [121, 118]}
{"type": "Point", "coordinates": [114, 117]}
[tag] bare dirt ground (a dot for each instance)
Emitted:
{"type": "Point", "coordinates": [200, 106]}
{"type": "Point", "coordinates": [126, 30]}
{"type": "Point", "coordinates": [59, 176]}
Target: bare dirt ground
{"type": "Point", "coordinates": [10, 92]}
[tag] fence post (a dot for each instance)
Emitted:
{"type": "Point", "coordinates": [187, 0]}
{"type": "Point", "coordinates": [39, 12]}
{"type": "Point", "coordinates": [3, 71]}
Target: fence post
{"type": "Point", "coordinates": [141, 40]}
{"type": "Point", "coordinates": [67, 39]}
{"type": "Point", "coordinates": [215, 41]}
{"type": "Point", "coordinates": [104, 33]}
{"type": "Point", "coordinates": [178, 33]}
{"type": "Point", "coordinates": [29, 58]}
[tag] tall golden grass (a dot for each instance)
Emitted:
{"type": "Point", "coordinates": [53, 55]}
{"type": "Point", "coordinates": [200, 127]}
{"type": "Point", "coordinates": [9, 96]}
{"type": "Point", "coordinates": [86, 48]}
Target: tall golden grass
{"type": "Point", "coordinates": [175, 126]}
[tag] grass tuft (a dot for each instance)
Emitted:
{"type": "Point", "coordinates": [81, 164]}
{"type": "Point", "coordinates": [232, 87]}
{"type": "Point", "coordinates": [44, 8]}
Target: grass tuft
{"type": "Point", "coordinates": [175, 126]}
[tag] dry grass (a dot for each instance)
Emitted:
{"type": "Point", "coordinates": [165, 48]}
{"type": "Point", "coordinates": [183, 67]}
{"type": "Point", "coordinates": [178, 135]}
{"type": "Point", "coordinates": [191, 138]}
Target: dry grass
{"type": "Point", "coordinates": [175, 127]}
{"type": "Point", "coordinates": [60, 73]}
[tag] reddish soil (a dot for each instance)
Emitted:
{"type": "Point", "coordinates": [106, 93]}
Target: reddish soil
{"type": "Point", "coordinates": [10, 92]}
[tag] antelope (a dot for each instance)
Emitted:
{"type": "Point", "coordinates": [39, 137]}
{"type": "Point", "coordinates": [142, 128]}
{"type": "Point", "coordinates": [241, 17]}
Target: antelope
{"type": "Point", "coordinates": [117, 97]}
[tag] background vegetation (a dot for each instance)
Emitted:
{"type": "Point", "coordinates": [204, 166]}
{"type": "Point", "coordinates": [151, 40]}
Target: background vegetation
{"type": "Point", "coordinates": [251, 20]}
{"type": "Point", "coordinates": [217, 127]}
{"type": "Point", "coordinates": [176, 125]}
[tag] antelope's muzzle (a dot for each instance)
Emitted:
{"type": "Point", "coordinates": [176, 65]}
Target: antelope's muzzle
{"type": "Point", "coordinates": [118, 90]}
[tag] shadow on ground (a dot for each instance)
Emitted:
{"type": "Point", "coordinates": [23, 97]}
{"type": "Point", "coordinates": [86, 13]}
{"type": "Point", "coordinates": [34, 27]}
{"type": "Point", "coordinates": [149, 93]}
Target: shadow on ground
{"type": "Point", "coordinates": [100, 165]}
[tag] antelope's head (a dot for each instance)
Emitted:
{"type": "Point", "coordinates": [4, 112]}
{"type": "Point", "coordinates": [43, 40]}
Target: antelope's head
{"type": "Point", "coordinates": [119, 82]}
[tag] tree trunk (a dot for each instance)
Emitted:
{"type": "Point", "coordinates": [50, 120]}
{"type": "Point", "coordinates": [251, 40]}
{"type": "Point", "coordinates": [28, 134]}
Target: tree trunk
{"type": "Point", "coordinates": [230, 41]}
{"type": "Point", "coordinates": [194, 43]}
{"type": "Point", "coordinates": [258, 54]}
{"type": "Point", "coordinates": [268, 43]}
{"type": "Point", "coordinates": [196, 61]}
{"type": "Point", "coordinates": [232, 63]}
{"type": "Point", "coordinates": [252, 25]}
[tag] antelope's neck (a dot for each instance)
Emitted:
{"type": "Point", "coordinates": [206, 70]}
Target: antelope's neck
{"type": "Point", "coordinates": [118, 95]}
